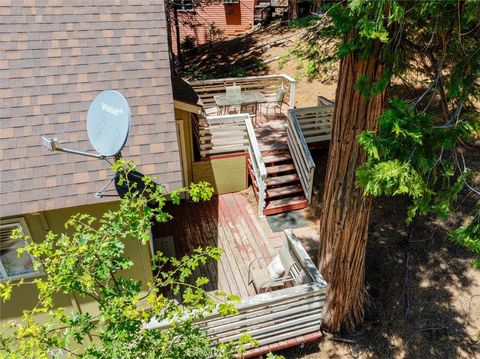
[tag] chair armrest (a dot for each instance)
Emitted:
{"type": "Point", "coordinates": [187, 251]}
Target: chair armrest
{"type": "Point", "coordinates": [273, 282]}
{"type": "Point", "coordinates": [256, 260]}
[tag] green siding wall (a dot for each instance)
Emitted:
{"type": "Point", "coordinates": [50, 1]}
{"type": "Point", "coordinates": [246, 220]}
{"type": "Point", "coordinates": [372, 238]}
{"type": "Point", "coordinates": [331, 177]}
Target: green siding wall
{"type": "Point", "coordinates": [38, 224]}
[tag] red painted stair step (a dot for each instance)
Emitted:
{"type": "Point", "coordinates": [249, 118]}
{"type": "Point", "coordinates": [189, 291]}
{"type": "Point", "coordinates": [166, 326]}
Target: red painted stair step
{"type": "Point", "coordinates": [275, 158]}
{"type": "Point", "coordinates": [285, 204]}
{"type": "Point", "coordinates": [284, 191]}
{"type": "Point", "coordinates": [280, 168]}
{"type": "Point", "coordinates": [279, 180]}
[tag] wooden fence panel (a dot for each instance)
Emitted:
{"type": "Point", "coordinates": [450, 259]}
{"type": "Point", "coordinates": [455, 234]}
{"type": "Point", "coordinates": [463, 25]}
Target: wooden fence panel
{"type": "Point", "coordinates": [315, 122]}
{"type": "Point", "coordinates": [222, 134]}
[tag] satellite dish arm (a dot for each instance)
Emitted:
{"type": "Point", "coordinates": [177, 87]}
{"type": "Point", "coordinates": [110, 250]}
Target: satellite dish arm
{"type": "Point", "coordinates": [52, 145]}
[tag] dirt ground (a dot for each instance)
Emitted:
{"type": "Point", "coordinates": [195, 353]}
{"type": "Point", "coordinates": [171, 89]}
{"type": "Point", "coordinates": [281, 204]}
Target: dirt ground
{"type": "Point", "coordinates": [246, 56]}
{"type": "Point", "coordinates": [423, 297]}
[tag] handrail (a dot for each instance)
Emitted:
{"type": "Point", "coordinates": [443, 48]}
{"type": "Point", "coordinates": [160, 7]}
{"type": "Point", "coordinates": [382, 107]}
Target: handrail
{"type": "Point", "coordinates": [299, 133]}
{"type": "Point", "coordinates": [256, 148]}
{"type": "Point", "coordinates": [257, 163]}
{"type": "Point", "coordinates": [301, 155]}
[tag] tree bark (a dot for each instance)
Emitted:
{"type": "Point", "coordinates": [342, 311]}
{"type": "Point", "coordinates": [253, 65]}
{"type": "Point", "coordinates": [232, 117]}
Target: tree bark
{"type": "Point", "coordinates": [168, 12]}
{"type": "Point", "coordinates": [293, 9]}
{"type": "Point", "coordinates": [177, 37]}
{"type": "Point", "coordinates": [345, 211]}
{"type": "Point", "coordinates": [317, 6]}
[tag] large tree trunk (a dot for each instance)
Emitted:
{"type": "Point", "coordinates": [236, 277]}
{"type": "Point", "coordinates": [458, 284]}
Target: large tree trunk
{"type": "Point", "coordinates": [345, 211]}
{"type": "Point", "coordinates": [317, 6]}
{"type": "Point", "coordinates": [293, 9]}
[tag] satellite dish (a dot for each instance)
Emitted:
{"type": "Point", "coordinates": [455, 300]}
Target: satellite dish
{"type": "Point", "coordinates": [108, 123]}
{"type": "Point", "coordinates": [108, 126]}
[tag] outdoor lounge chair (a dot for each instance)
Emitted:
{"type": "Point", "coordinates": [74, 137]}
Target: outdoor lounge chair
{"type": "Point", "coordinates": [275, 275]}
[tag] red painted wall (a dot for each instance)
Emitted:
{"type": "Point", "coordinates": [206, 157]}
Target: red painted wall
{"type": "Point", "coordinates": [214, 21]}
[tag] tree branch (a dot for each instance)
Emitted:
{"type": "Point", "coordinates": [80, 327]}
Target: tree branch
{"type": "Point", "coordinates": [432, 329]}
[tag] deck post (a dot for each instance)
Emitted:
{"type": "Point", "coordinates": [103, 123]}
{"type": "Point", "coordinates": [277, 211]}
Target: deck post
{"type": "Point", "coordinates": [292, 94]}
{"type": "Point", "coordinates": [291, 98]}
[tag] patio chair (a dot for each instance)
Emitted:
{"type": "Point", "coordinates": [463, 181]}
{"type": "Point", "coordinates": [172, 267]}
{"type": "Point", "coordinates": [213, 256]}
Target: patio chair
{"type": "Point", "coordinates": [233, 91]}
{"type": "Point", "coordinates": [275, 275]}
{"type": "Point", "coordinates": [278, 102]}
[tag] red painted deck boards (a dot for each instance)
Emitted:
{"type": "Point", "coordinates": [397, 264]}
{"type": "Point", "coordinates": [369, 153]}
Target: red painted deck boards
{"type": "Point", "coordinates": [227, 221]}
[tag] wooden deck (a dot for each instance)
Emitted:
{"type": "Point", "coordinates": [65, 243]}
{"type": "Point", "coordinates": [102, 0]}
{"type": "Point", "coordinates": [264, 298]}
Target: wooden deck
{"type": "Point", "coordinates": [272, 131]}
{"type": "Point", "coordinates": [278, 319]}
{"type": "Point", "coordinates": [227, 221]}
{"type": "Point", "coordinates": [270, 128]}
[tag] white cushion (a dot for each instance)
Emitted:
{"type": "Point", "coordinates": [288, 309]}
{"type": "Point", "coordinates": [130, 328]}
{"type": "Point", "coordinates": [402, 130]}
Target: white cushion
{"type": "Point", "coordinates": [275, 268]}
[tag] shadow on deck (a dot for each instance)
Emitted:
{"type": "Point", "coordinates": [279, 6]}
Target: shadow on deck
{"type": "Point", "coordinates": [226, 221]}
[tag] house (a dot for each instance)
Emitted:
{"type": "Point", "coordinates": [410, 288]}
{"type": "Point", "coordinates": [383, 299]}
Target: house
{"type": "Point", "coordinates": [202, 21]}
{"type": "Point", "coordinates": [56, 58]}
{"type": "Point", "coordinates": [196, 22]}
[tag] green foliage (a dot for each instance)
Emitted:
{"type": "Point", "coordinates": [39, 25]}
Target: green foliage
{"type": "Point", "coordinates": [415, 151]}
{"type": "Point", "coordinates": [410, 155]}
{"type": "Point", "coordinates": [89, 261]}
{"type": "Point", "coordinates": [283, 60]}
{"type": "Point", "coordinates": [194, 71]}
{"type": "Point", "coordinates": [188, 44]}
{"type": "Point", "coordinates": [237, 72]}
{"type": "Point", "coordinates": [469, 236]}
{"type": "Point", "coordinates": [305, 21]}
{"type": "Point", "coordinates": [390, 178]}
{"type": "Point", "coordinates": [315, 60]}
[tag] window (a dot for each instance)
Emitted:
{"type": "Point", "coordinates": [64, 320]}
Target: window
{"type": "Point", "coordinates": [183, 5]}
{"type": "Point", "coordinates": [11, 265]}
{"type": "Point", "coordinates": [231, 1]}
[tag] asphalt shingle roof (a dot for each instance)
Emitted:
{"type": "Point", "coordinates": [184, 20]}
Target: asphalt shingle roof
{"type": "Point", "coordinates": [55, 57]}
{"type": "Point", "coordinates": [183, 91]}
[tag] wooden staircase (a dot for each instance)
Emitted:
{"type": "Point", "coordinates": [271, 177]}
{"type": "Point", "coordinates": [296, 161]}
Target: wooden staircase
{"type": "Point", "coordinates": [284, 191]}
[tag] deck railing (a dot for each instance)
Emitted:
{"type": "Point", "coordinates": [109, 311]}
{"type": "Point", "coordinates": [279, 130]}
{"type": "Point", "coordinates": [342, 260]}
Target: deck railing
{"type": "Point", "coordinates": [268, 85]}
{"type": "Point", "coordinates": [300, 154]}
{"type": "Point", "coordinates": [225, 134]}
{"type": "Point", "coordinates": [291, 315]}
{"type": "Point", "coordinates": [258, 166]}
{"type": "Point", "coordinates": [315, 122]}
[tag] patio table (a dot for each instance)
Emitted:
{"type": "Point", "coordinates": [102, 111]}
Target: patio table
{"type": "Point", "coordinates": [246, 98]}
